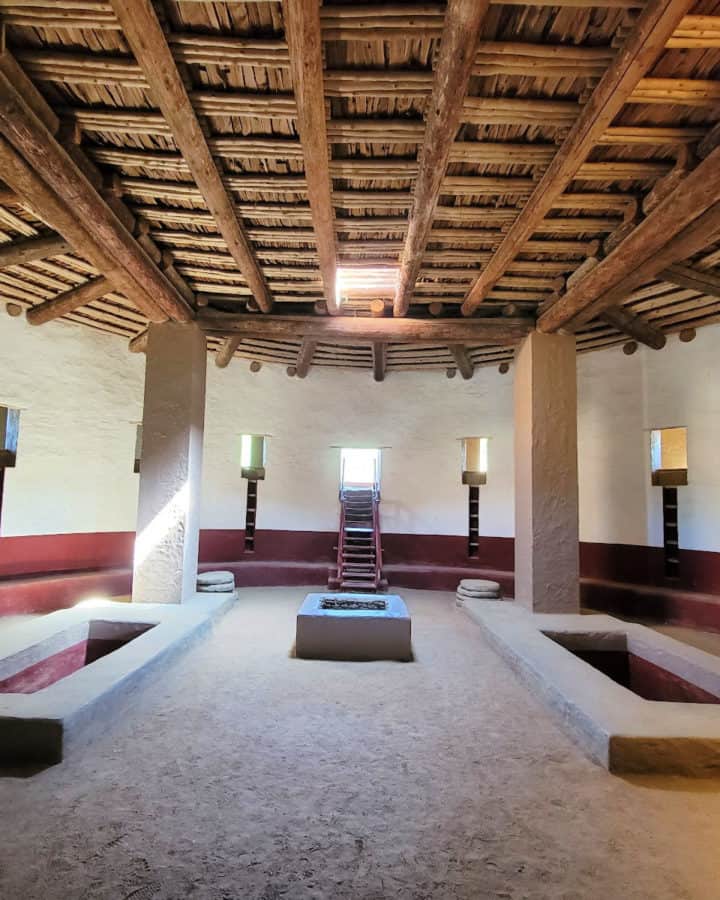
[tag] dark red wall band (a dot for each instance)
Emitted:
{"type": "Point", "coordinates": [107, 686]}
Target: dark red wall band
{"type": "Point", "coordinates": [39, 573]}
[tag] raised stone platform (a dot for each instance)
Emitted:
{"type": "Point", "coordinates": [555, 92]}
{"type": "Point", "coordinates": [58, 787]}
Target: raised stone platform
{"type": "Point", "coordinates": [353, 627]}
{"type": "Point", "coordinates": [618, 728]}
{"type": "Point", "coordinates": [53, 698]}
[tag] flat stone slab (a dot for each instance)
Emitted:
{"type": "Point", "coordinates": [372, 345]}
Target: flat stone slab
{"type": "Point", "coordinates": [479, 584]}
{"type": "Point", "coordinates": [617, 728]}
{"type": "Point", "coordinates": [43, 726]}
{"type": "Point", "coordinates": [219, 588]}
{"type": "Point", "coordinates": [219, 577]}
{"type": "Point", "coordinates": [478, 595]}
{"type": "Point", "coordinates": [352, 633]}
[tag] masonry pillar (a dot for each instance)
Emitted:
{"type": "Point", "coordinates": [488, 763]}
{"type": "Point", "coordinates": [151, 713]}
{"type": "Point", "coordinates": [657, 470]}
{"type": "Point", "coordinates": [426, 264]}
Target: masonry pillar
{"type": "Point", "coordinates": [166, 542]}
{"type": "Point", "coordinates": [546, 475]}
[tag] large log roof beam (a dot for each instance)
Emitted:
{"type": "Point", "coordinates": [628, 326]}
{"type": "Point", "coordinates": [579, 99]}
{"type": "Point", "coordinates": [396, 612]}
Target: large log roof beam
{"type": "Point", "coordinates": [304, 38]}
{"type": "Point", "coordinates": [504, 331]}
{"type": "Point", "coordinates": [682, 224]}
{"type": "Point", "coordinates": [149, 45]}
{"type": "Point", "coordinates": [647, 39]}
{"type": "Point", "coordinates": [40, 171]}
{"type": "Point", "coordinates": [461, 31]}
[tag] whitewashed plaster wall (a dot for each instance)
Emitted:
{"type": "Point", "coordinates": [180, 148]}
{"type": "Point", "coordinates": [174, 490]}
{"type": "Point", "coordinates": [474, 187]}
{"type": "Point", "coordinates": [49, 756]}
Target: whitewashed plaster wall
{"type": "Point", "coordinates": [416, 417]}
{"type": "Point", "coordinates": [81, 394]}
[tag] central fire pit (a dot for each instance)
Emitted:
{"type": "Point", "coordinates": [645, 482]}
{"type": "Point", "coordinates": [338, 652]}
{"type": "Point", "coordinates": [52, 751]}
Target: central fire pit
{"type": "Point", "coordinates": [353, 627]}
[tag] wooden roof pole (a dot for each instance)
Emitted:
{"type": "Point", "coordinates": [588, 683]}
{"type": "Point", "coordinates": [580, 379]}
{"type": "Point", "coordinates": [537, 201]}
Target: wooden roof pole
{"type": "Point", "coordinates": [304, 39]}
{"type": "Point", "coordinates": [68, 301]}
{"type": "Point", "coordinates": [681, 225]}
{"type": "Point", "coordinates": [51, 163]}
{"type": "Point", "coordinates": [462, 360]}
{"type": "Point", "coordinates": [461, 31]}
{"type": "Point", "coordinates": [635, 326]}
{"type": "Point", "coordinates": [43, 201]}
{"type": "Point", "coordinates": [647, 39]}
{"type": "Point", "coordinates": [305, 357]}
{"type": "Point", "coordinates": [150, 48]}
{"type": "Point", "coordinates": [226, 351]}
{"type": "Point", "coordinates": [379, 358]}
{"type": "Point", "coordinates": [42, 247]}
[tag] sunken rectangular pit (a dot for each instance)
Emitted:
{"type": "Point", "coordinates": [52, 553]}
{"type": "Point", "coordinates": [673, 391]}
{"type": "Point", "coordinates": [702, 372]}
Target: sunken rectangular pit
{"type": "Point", "coordinates": [353, 627]}
{"type": "Point", "coordinates": [636, 700]}
{"type": "Point", "coordinates": [65, 675]}
{"type": "Point", "coordinates": [60, 655]}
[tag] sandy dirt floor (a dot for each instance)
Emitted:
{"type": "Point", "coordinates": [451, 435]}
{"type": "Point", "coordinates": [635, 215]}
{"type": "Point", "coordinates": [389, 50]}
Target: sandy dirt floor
{"type": "Point", "coordinates": [245, 774]}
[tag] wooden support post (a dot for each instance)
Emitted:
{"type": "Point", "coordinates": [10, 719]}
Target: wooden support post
{"type": "Point", "coordinates": [461, 31]}
{"type": "Point", "coordinates": [304, 38]}
{"type": "Point", "coordinates": [305, 357]}
{"type": "Point", "coordinates": [68, 301]}
{"type": "Point", "coordinates": [645, 42]}
{"type": "Point", "coordinates": [142, 31]}
{"type": "Point", "coordinates": [462, 360]}
{"type": "Point", "coordinates": [42, 247]}
{"type": "Point", "coordinates": [227, 350]}
{"type": "Point", "coordinates": [379, 354]}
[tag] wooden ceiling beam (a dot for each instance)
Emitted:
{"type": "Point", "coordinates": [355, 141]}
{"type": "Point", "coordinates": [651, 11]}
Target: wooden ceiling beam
{"type": "Point", "coordinates": [461, 31]}
{"type": "Point", "coordinates": [108, 246]}
{"type": "Point", "coordinates": [365, 329]}
{"type": "Point", "coordinates": [147, 41]}
{"type": "Point", "coordinates": [305, 357]}
{"type": "Point", "coordinates": [68, 301]}
{"type": "Point", "coordinates": [226, 350]}
{"type": "Point", "coordinates": [649, 34]}
{"type": "Point", "coordinates": [32, 249]}
{"type": "Point", "coordinates": [687, 220]}
{"type": "Point", "coordinates": [634, 326]}
{"type": "Point", "coordinates": [462, 360]}
{"type": "Point", "coordinates": [693, 279]}
{"type": "Point", "coordinates": [379, 358]}
{"type": "Point", "coordinates": [304, 39]}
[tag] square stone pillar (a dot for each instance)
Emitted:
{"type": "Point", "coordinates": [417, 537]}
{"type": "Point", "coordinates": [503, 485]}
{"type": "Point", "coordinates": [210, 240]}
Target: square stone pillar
{"type": "Point", "coordinates": [546, 475]}
{"type": "Point", "coordinates": [166, 541]}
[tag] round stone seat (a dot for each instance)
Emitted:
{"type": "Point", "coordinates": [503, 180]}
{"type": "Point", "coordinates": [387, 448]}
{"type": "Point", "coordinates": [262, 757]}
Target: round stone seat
{"type": "Point", "coordinates": [210, 578]}
{"type": "Point", "coordinates": [473, 585]}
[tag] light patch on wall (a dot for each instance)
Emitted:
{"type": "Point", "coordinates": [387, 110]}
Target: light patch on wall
{"type": "Point", "coordinates": [165, 522]}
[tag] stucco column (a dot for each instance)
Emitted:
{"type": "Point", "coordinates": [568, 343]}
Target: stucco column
{"type": "Point", "coordinates": [546, 475]}
{"type": "Point", "coordinates": [166, 542]}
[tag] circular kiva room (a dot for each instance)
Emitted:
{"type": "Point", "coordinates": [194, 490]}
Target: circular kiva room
{"type": "Point", "coordinates": [359, 472]}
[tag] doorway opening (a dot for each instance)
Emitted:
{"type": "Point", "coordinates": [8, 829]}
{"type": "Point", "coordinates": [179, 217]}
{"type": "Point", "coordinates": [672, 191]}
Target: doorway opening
{"type": "Point", "coordinates": [359, 468]}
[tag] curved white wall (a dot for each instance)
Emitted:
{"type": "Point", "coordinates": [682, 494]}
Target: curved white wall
{"type": "Point", "coordinates": [81, 395]}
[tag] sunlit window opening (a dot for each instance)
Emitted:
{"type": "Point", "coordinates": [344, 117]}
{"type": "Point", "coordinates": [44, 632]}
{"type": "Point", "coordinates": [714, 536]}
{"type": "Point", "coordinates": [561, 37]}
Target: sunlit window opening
{"type": "Point", "coordinates": [359, 467]}
{"type": "Point", "coordinates": [668, 456]}
{"type": "Point", "coordinates": [359, 283]}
